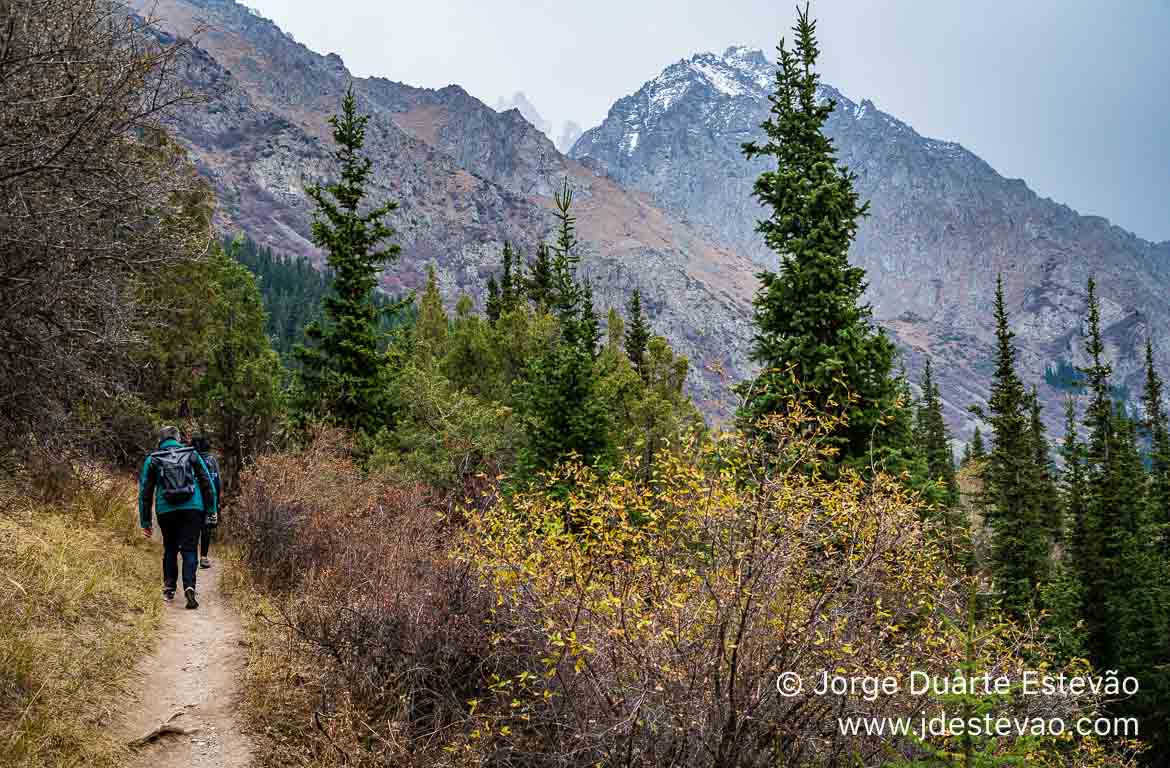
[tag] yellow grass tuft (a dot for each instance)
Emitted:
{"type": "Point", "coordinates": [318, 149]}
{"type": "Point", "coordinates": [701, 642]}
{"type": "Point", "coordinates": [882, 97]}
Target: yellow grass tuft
{"type": "Point", "coordinates": [79, 605]}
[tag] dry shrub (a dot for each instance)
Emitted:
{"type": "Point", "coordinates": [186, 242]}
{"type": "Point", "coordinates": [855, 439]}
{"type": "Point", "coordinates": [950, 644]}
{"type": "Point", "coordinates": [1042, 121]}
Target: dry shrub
{"type": "Point", "coordinates": [615, 621]}
{"type": "Point", "coordinates": [657, 617]}
{"type": "Point", "coordinates": [78, 606]}
{"type": "Point", "coordinates": [358, 576]}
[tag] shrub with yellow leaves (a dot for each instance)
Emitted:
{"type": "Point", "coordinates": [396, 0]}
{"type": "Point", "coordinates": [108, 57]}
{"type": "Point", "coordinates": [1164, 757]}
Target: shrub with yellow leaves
{"type": "Point", "coordinates": [672, 617]}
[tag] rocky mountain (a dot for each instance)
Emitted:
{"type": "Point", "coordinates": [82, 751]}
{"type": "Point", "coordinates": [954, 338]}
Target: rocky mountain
{"type": "Point", "coordinates": [466, 177]}
{"type": "Point", "coordinates": [527, 109]}
{"type": "Point", "coordinates": [942, 224]}
{"type": "Point", "coordinates": [663, 203]}
{"type": "Point", "coordinates": [570, 131]}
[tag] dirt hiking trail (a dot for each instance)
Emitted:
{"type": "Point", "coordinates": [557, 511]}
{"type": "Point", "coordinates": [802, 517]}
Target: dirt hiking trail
{"type": "Point", "coordinates": [187, 708]}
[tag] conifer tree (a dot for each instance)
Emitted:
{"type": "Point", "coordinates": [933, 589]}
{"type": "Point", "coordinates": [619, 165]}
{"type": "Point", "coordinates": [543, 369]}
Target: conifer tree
{"type": "Point", "coordinates": [1041, 475]}
{"type": "Point", "coordinates": [1158, 431]}
{"type": "Point", "coordinates": [432, 325]}
{"type": "Point", "coordinates": [978, 451]}
{"type": "Point", "coordinates": [1073, 481]}
{"type": "Point", "coordinates": [1094, 553]}
{"type": "Point", "coordinates": [934, 440]}
{"type": "Point", "coordinates": [637, 334]}
{"type": "Point", "coordinates": [813, 334]}
{"type": "Point", "coordinates": [539, 283]}
{"type": "Point", "coordinates": [557, 402]}
{"type": "Point", "coordinates": [493, 303]}
{"type": "Point", "coordinates": [1019, 532]}
{"type": "Point", "coordinates": [343, 375]}
{"type": "Point", "coordinates": [615, 332]}
{"type": "Point", "coordinates": [508, 284]}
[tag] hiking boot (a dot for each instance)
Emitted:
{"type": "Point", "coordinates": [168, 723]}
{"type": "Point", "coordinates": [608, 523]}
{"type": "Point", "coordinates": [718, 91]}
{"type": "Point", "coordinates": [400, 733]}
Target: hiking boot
{"type": "Point", "coordinates": [205, 563]}
{"type": "Point", "coordinates": [189, 592]}
{"type": "Point", "coordinates": [168, 595]}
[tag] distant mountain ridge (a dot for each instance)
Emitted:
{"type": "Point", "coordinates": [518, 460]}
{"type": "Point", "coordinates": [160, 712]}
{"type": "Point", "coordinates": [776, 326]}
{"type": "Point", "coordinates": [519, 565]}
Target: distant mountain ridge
{"type": "Point", "coordinates": [467, 179]}
{"type": "Point", "coordinates": [942, 224]}
{"type": "Point", "coordinates": [668, 211]}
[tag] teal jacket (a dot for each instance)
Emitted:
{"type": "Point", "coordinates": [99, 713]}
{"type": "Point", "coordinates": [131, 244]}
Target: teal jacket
{"type": "Point", "coordinates": [150, 493]}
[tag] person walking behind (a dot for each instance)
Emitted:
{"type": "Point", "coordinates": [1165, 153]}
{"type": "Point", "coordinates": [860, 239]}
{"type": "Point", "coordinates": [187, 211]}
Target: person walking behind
{"type": "Point", "coordinates": [207, 532]}
{"type": "Point", "coordinates": [177, 484]}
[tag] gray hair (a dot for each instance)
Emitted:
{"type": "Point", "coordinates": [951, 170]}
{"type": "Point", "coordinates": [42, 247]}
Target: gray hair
{"type": "Point", "coordinates": [168, 433]}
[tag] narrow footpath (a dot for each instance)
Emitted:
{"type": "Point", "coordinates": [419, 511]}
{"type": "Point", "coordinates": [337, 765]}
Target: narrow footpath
{"type": "Point", "coordinates": [186, 712]}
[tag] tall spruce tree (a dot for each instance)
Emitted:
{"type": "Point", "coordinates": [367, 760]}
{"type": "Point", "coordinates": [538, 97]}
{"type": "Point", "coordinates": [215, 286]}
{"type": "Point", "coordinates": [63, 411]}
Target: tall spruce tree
{"type": "Point", "coordinates": [538, 284]}
{"type": "Point", "coordinates": [934, 439]}
{"type": "Point", "coordinates": [978, 451]}
{"type": "Point", "coordinates": [1019, 530]}
{"type": "Point", "coordinates": [557, 402]}
{"type": "Point", "coordinates": [974, 449]}
{"type": "Point", "coordinates": [1158, 431]}
{"type": "Point", "coordinates": [637, 334]}
{"type": "Point", "coordinates": [813, 334]}
{"type": "Point", "coordinates": [1073, 479]}
{"type": "Point", "coordinates": [1093, 538]}
{"type": "Point", "coordinates": [1042, 475]}
{"type": "Point", "coordinates": [343, 376]}
{"type": "Point", "coordinates": [432, 326]}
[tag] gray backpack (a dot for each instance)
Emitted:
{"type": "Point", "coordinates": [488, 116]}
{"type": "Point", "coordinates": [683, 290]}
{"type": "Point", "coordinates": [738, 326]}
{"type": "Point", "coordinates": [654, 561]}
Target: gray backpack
{"type": "Point", "coordinates": [175, 472]}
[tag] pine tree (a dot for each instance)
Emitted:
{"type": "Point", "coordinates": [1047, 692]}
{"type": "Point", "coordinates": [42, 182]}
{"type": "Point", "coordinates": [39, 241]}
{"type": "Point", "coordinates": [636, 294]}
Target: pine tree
{"type": "Point", "coordinates": [1158, 431]}
{"type": "Point", "coordinates": [539, 283]}
{"type": "Point", "coordinates": [934, 440]}
{"type": "Point", "coordinates": [813, 335]}
{"type": "Point", "coordinates": [637, 334]}
{"type": "Point", "coordinates": [432, 326]}
{"type": "Point", "coordinates": [1073, 481]}
{"type": "Point", "coordinates": [493, 299]}
{"type": "Point", "coordinates": [1041, 474]}
{"type": "Point", "coordinates": [512, 282]}
{"type": "Point", "coordinates": [1019, 532]}
{"type": "Point", "coordinates": [1093, 541]}
{"type": "Point", "coordinates": [977, 449]}
{"type": "Point", "coordinates": [557, 401]}
{"type": "Point", "coordinates": [343, 375]}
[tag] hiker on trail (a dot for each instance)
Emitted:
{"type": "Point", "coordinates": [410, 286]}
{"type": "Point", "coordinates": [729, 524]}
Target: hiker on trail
{"type": "Point", "coordinates": [175, 481]}
{"type": "Point", "coordinates": [207, 532]}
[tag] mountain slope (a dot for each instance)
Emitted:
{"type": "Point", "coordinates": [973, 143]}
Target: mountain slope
{"type": "Point", "coordinates": [942, 223]}
{"type": "Point", "coordinates": [467, 179]}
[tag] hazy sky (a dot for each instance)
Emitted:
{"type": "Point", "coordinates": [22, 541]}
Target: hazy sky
{"type": "Point", "coordinates": [1072, 96]}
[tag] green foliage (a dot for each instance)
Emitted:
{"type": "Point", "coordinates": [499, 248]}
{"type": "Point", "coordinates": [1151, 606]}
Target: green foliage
{"type": "Point", "coordinates": [239, 395]}
{"type": "Point", "coordinates": [1157, 429]}
{"type": "Point", "coordinates": [1012, 503]}
{"type": "Point", "coordinates": [637, 334]}
{"type": "Point", "coordinates": [343, 376]}
{"type": "Point", "coordinates": [1061, 600]}
{"type": "Point", "coordinates": [934, 440]}
{"type": "Point", "coordinates": [813, 334]}
{"type": "Point", "coordinates": [556, 402]}
{"type": "Point", "coordinates": [1043, 476]}
{"type": "Point", "coordinates": [445, 436]}
{"type": "Point", "coordinates": [431, 330]}
{"type": "Point", "coordinates": [1125, 571]}
{"type": "Point", "coordinates": [293, 291]}
{"type": "Point", "coordinates": [539, 283]}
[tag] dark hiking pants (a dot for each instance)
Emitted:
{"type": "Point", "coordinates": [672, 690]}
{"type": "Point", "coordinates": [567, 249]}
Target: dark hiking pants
{"type": "Point", "coordinates": [180, 533]}
{"type": "Point", "coordinates": [206, 536]}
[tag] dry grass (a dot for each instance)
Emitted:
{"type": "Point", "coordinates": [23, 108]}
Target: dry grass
{"type": "Point", "coordinates": [78, 606]}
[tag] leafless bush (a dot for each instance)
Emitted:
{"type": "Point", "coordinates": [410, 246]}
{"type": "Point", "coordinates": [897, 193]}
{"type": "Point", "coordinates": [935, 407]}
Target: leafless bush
{"type": "Point", "coordinates": [93, 195]}
{"type": "Point", "coordinates": [366, 582]}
